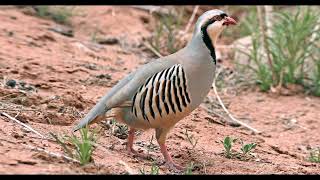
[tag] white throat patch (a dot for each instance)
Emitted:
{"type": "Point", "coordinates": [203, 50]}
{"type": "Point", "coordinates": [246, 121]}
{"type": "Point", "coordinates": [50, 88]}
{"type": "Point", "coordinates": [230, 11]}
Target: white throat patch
{"type": "Point", "coordinates": [214, 30]}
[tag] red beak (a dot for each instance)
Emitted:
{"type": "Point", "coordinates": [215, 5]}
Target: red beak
{"type": "Point", "coordinates": [229, 21]}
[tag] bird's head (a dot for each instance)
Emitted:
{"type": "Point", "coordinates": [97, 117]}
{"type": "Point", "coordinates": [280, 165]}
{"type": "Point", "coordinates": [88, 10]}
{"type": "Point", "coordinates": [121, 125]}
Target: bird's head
{"type": "Point", "coordinates": [211, 23]}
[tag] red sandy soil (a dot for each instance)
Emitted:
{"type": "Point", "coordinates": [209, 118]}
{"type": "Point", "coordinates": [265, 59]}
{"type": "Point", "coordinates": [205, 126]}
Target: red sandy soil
{"type": "Point", "coordinates": [64, 72]}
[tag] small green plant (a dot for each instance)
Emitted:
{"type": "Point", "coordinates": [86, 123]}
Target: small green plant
{"type": "Point", "coordinates": [94, 36]}
{"type": "Point", "coordinates": [315, 87]}
{"type": "Point", "coordinates": [84, 146]}
{"type": "Point", "coordinates": [142, 171]}
{"type": "Point", "coordinates": [290, 46]}
{"type": "Point", "coordinates": [165, 39]}
{"type": "Point", "coordinates": [189, 168]}
{"type": "Point", "coordinates": [244, 150]}
{"type": "Point", "coordinates": [248, 147]}
{"type": "Point", "coordinates": [290, 34]}
{"type": "Point", "coordinates": [261, 71]}
{"type": "Point", "coordinates": [315, 156]}
{"type": "Point", "coordinates": [59, 14]}
{"type": "Point", "coordinates": [153, 171]}
{"type": "Point", "coordinates": [227, 144]}
{"type": "Point", "coordinates": [191, 139]}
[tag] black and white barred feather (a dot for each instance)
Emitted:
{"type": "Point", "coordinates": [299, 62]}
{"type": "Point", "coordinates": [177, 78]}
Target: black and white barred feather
{"type": "Point", "coordinates": [163, 94]}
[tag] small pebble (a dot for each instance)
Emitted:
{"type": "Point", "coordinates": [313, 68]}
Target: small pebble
{"type": "Point", "coordinates": [11, 83]}
{"type": "Point", "coordinates": [108, 40]}
{"type": "Point", "coordinates": [26, 130]}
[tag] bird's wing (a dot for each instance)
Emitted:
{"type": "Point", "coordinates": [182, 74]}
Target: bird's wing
{"type": "Point", "coordinates": [124, 90]}
{"type": "Point", "coordinates": [163, 93]}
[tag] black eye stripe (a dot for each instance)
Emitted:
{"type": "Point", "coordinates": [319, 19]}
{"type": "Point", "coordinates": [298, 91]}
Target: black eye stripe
{"type": "Point", "coordinates": [220, 17]}
{"type": "Point", "coordinates": [224, 15]}
{"type": "Point", "coordinates": [217, 18]}
{"type": "Point", "coordinates": [213, 19]}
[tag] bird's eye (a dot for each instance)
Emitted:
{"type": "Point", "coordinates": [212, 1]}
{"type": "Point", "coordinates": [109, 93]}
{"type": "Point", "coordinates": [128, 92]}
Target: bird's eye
{"type": "Point", "coordinates": [218, 18]}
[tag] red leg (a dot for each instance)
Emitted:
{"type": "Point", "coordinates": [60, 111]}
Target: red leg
{"type": "Point", "coordinates": [161, 136]}
{"type": "Point", "coordinates": [168, 159]}
{"type": "Point", "coordinates": [130, 141]}
{"type": "Point", "coordinates": [130, 145]}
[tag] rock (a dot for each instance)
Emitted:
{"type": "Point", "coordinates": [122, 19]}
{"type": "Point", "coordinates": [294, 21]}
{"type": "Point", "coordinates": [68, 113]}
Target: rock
{"type": "Point", "coordinates": [42, 85]}
{"type": "Point", "coordinates": [91, 66]}
{"type": "Point", "coordinates": [107, 40]}
{"type": "Point", "coordinates": [11, 83]}
{"type": "Point", "coordinates": [27, 162]}
{"type": "Point", "coordinates": [17, 135]}
{"type": "Point", "coordinates": [22, 83]}
{"type": "Point", "coordinates": [25, 130]}
{"type": "Point", "coordinates": [46, 36]}
{"type": "Point", "coordinates": [26, 87]}
{"type": "Point", "coordinates": [10, 33]}
{"type": "Point", "coordinates": [28, 10]}
{"type": "Point", "coordinates": [260, 99]}
{"type": "Point", "coordinates": [144, 19]}
{"type": "Point", "coordinates": [14, 71]}
{"type": "Point", "coordinates": [104, 76]}
{"type": "Point", "coordinates": [63, 30]}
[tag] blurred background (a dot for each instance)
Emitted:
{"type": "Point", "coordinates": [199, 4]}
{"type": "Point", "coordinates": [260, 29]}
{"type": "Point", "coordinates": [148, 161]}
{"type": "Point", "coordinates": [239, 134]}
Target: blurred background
{"type": "Point", "coordinates": [57, 61]}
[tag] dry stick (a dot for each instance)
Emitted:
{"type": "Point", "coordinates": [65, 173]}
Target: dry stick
{"type": "Point", "coordinates": [268, 18]}
{"type": "Point", "coordinates": [147, 45]}
{"type": "Point", "coordinates": [225, 109]}
{"type": "Point", "coordinates": [128, 169]}
{"type": "Point", "coordinates": [265, 42]}
{"type": "Point", "coordinates": [151, 9]}
{"type": "Point", "coordinates": [195, 10]}
{"type": "Point", "coordinates": [17, 115]}
{"type": "Point", "coordinates": [21, 123]}
{"type": "Point", "coordinates": [280, 81]}
{"type": "Point", "coordinates": [7, 109]}
{"type": "Point", "coordinates": [215, 113]}
{"type": "Point", "coordinates": [312, 39]}
{"type": "Point", "coordinates": [51, 153]}
{"type": "Point", "coordinates": [5, 96]}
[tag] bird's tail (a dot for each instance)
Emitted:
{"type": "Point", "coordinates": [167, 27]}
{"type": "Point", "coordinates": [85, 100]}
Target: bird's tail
{"type": "Point", "coordinates": [95, 114]}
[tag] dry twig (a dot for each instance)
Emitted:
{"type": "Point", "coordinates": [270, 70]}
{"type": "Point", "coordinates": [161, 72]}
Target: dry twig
{"type": "Point", "coordinates": [51, 153]}
{"type": "Point", "coordinates": [128, 169]}
{"type": "Point", "coordinates": [7, 109]}
{"type": "Point", "coordinates": [265, 44]}
{"type": "Point", "coordinates": [22, 124]}
{"type": "Point", "coordinates": [225, 109]}
{"type": "Point", "coordinates": [195, 10]}
{"type": "Point", "coordinates": [147, 45]}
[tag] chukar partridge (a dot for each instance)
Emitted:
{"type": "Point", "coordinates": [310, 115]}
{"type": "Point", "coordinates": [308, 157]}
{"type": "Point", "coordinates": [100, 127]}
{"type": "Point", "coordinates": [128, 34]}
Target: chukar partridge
{"type": "Point", "coordinates": [167, 89]}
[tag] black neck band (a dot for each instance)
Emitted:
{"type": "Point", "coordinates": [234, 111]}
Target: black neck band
{"type": "Point", "coordinates": [207, 41]}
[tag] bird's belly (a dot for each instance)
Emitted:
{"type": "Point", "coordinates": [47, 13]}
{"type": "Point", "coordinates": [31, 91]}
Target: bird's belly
{"type": "Point", "coordinates": [125, 115]}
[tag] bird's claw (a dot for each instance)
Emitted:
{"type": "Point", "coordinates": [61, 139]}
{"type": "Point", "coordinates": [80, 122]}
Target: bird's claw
{"type": "Point", "coordinates": [174, 167]}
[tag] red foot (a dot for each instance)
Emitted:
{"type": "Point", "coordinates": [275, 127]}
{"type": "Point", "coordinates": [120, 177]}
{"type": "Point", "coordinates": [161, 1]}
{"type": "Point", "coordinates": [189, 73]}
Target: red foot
{"type": "Point", "coordinates": [175, 167]}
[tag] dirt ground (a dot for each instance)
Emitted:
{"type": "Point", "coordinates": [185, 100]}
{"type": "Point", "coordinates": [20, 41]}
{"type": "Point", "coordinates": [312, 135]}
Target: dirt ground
{"type": "Point", "coordinates": [59, 78]}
